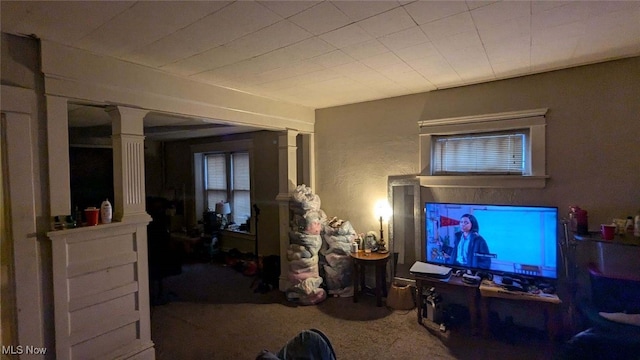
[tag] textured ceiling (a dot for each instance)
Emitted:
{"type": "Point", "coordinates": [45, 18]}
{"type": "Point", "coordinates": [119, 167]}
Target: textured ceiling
{"type": "Point", "coordinates": [326, 53]}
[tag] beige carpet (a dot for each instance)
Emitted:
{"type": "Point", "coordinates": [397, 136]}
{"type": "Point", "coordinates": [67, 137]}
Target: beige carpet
{"type": "Point", "coordinates": [214, 313]}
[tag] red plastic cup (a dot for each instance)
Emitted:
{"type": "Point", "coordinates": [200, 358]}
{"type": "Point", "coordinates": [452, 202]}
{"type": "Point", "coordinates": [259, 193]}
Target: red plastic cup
{"type": "Point", "coordinates": [608, 231]}
{"type": "Point", "coordinates": [92, 216]}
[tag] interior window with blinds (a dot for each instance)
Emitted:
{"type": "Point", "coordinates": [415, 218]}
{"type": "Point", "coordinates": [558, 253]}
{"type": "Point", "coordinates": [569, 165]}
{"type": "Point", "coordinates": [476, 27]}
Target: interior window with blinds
{"type": "Point", "coordinates": [480, 153]}
{"type": "Point", "coordinates": [227, 179]}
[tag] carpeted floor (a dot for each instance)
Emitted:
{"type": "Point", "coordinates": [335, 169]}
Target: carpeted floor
{"type": "Point", "coordinates": [213, 313]}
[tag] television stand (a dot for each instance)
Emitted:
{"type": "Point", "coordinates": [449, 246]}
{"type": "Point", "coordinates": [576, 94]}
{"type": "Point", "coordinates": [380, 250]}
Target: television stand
{"type": "Point", "coordinates": [550, 304]}
{"type": "Point", "coordinates": [453, 284]}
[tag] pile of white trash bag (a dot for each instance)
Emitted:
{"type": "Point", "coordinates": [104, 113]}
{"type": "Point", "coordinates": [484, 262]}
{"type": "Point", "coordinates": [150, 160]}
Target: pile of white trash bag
{"type": "Point", "coordinates": [338, 238]}
{"type": "Point", "coordinates": [305, 243]}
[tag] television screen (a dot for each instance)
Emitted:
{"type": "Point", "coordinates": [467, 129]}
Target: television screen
{"type": "Point", "coordinates": [501, 239]}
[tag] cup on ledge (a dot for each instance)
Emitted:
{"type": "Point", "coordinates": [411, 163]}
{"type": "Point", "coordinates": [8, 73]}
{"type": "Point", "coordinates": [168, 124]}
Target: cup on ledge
{"type": "Point", "coordinates": [608, 231]}
{"type": "Point", "coordinates": [91, 214]}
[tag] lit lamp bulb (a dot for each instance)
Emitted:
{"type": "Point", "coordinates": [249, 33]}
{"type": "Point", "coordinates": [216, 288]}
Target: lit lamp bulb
{"type": "Point", "coordinates": [383, 212]}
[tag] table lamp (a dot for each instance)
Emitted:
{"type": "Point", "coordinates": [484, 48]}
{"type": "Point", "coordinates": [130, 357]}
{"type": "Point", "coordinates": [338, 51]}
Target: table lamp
{"type": "Point", "coordinates": [222, 210]}
{"type": "Point", "coordinates": [383, 212]}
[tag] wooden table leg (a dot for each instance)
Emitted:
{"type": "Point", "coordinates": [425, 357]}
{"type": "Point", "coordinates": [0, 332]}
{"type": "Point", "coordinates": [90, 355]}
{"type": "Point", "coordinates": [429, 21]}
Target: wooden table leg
{"type": "Point", "coordinates": [356, 280]}
{"type": "Point", "coordinates": [379, 284]}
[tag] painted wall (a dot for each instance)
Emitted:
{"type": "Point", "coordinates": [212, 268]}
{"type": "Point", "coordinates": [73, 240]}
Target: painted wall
{"type": "Point", "coordinates": [593, 142]}
{"type": "Point", "coordinates": [179, 172]}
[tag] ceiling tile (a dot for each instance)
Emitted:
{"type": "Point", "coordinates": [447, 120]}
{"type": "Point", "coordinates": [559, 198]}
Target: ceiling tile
{"type": "Point", "coordinates": [603, 7]}
{"type": "Point", "coordinates": [628, 19]}
{"type": "Point", "coordinates": [381, 61]}
{"type": "Point", "coordinates": [474, 4]}
{"type": "Point", "coordinates": [469, 55]}
{"type": "Point", "coordinates": [496, 13]}
{"type": "Point", "coordinates": [302, 80]}
{"type": "Point", "coordinates": [387, 23]}
{"type": "Point", "coordinates": [360, 10]}
{"type": "Point", "coordinates": [208, 60]}
{"type": "Point", "coordinates": [615, 41]}
{"type": "Point", "coordinates": [348, 35]}
{"type": "Point", "coordinates": [554, 51]}
{"type": "Point", "coordinates": [309, 48]}
{"type": "Point", "coordinates": [351, 68]}
{"type": "Point", "coordinates": [431, 66]}
{"type": "Point", "coordinates": [510, 68]}
{"type": "Point", "coordinates": [513, 28]}
{"type": "Point", "coordinates": [273, 37]}
{"type": "Point", "coordinates": [232, 22]}
{"type": "Point", "coordinates": [557, 33]}
{"type": "Point", "coordinates": [291, 70]}
{"type": "Point", "coordinates": [365, 49]}
{"type": "Point", "coordinates": [425, 49]}
{"type": "Point", "coordinates": [405, 38]}
{"type": "Point", "coordinates": [458, 41]}
{"type": "Point", "coordinates": [335, 84]}
{"type": "Point", "coordinates": [144, 23]}
{"type": "Point", "coordinates": [427, 11]}
{"type": "Point", "coordinates": [396, 71]}
{"type": "Point", "coordinates": [275, 59]}
{"type": "Point", "coordinates": [333, 59]}
{"type": "Point", "coordinates": [511, 50]}
{"type": "Point", "coordinates": [369, 77]}
{"type": "Point", "coordinates": [449, 26]}
{"type": "Point", "coordinates": [540, 6]}
{"type": "Point", "coordinates": [288, 8]}
{"type": "Point", "coordinates": [321, 18]}
{"type": "Point", "coordinates": [410, 78]}
{"type": "Point", "coordinates": [573, 12]}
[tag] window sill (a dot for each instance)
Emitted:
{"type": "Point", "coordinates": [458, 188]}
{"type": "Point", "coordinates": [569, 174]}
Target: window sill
{"type": "Point", "coordinates": [485, 181]}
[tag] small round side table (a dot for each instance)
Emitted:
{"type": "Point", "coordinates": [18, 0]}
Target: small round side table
{"type": "Point", "coordinates": [360, 261]}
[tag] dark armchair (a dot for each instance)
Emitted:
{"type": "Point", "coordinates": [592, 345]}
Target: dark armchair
{"type": "Point", "coordinates": [615, 298]}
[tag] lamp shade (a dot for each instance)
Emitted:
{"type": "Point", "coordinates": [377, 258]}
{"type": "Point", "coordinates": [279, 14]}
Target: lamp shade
{"type": "Point", "coordinates": [383, 210]}
{"type": "Point", "coordinates": [223, 208]}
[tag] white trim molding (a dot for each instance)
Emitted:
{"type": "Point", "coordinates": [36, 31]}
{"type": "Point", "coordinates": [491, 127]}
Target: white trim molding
{"type": "Point", "coordinates": [534, 120]}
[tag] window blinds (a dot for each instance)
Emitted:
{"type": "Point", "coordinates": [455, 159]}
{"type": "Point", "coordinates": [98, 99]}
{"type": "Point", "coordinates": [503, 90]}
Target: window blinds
{"type": "Point", "coordinates": [216, 172]}
{"type": "Point", "coordinates": [487, 153]}
{"type": "Point", "coordinates": [216, 179]}
{"type": "Point", "coordinates": [241, 187]}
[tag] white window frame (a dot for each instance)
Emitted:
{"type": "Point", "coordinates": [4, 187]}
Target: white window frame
{"type": "Point", "coordinates": [532, 120]}
{"type": "Point", "coordinates": [200, 150]}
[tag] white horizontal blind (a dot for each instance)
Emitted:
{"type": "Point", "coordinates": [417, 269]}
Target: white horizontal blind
{"type": "Point", "coordinates": [484, 153]}
{"type": "Point", "coordinates": [241, 190]}
{"type": "Point", "coordinates": [216, 179]}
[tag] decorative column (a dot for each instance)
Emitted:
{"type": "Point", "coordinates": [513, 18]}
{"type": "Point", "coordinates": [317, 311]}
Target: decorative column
{"type": "Point", "coordinates": [128, 163]}
{"type": "Point", "coordinates": [308, 162]}
{"type": "Point", "coordinates": [287, 179]}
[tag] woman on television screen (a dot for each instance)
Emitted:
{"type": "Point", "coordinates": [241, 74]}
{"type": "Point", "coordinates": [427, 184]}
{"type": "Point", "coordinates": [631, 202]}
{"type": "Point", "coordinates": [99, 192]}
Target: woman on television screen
{"type": "Point", "coordinates": [470, 248]}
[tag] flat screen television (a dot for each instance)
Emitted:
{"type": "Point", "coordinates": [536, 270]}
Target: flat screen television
{"type": "Point", "coordinates": [498, 239]}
